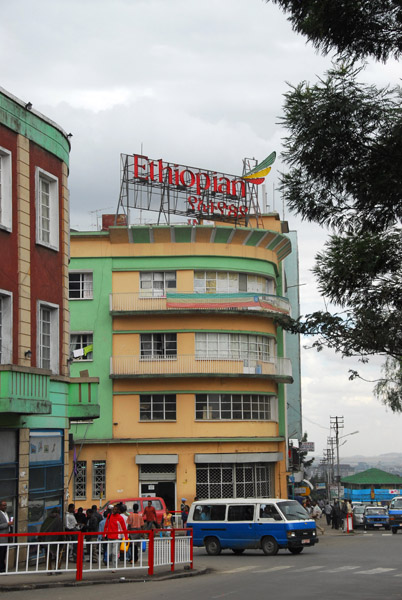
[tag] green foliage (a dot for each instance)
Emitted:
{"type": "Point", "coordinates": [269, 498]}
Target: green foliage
{"type": "Point", "coordinates": [344, 152]}
{"type": "Point", "coordinates": [352, 28]}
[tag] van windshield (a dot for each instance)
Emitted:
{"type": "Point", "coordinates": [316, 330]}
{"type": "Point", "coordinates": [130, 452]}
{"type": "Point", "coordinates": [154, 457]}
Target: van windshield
{"type": "Point", "coordinates": [293, 510]}
{"type": "Point", "coordinates": [397, 503]}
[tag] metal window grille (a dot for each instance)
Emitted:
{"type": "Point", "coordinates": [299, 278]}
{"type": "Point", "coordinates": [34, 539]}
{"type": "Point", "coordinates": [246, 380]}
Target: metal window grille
{"type": "Point", "coordinates": [158, 407]}
{"type": "Point", "coordinates": [244, 407]}
{"type": "Point", "coordinates": [45, 323]}
{"type": "Point", "coordinates": [234, 481]}
{"type": "Point", "coordinates": [156, 469]}
{"type": "Point", "coordinates": [79, 341]}
{"type": "Point", "coordinates": [98, 479]}
{"type": "Point", "coordinates": [80, 480]}
{"type": "Point", "coordinates": [44, 210]}
{"type": "Point", "coordinates": [80, 286]}
{"type": "Point", "coordinates": [158, 345]}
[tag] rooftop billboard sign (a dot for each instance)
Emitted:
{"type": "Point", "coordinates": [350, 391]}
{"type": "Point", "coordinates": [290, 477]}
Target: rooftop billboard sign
{"type": "Point", "coordinates": [169, 188]}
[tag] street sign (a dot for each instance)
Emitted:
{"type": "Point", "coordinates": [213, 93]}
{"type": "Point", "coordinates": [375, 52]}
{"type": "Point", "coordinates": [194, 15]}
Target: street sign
{"type": "Point", "coordinates": [302, 491]}
{"type": "Point", "coordinates": [334, 491]}
{"type": "Point", "coordinates": [307, 446]}
{"type": "Point", "coordinates": [320, 486]}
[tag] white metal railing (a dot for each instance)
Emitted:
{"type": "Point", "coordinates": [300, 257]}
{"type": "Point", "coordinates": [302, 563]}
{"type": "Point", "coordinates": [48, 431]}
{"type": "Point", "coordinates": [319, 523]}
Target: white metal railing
{"type": "Point", "coordinates": [133, 302]}
{"type": "Point", "coordinates": [89, 552]}
{"type": "Point", "coordinates": [194, 365]}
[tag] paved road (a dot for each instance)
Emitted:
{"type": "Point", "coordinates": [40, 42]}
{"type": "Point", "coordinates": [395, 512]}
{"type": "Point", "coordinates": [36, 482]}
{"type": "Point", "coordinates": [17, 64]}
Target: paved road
{"type": "Point", "coordinates": [367, 566]}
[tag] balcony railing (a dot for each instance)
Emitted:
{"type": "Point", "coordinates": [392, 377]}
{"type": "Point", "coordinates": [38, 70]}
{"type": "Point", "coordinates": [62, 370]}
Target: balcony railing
{"type": "Point", "coordinates": [24, 391]}
{"type": "Point", "coordinates": [139, 302]}
{"type": "Point", "coordinates": [279, 369]}
{"type": "Point", "coordinates": [83, 398]}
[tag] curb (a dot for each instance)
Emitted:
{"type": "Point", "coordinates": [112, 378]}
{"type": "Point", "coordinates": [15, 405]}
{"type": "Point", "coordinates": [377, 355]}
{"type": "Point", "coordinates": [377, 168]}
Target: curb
{"type": "Point", "coordinates": [145, 579]}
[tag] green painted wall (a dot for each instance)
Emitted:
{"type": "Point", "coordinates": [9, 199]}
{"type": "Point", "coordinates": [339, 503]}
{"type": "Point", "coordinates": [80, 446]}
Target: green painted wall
{"type": "Point", "coordinates": [93, 315]}
{"type": "Point", "coordinates": [17, 118]}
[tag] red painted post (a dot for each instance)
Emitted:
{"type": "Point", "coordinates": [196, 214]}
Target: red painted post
{"type": "Point", "coordinates": [172, 548]}
{"type": "Point", "coordinates": [80, 556]}
{"type": "Point", "coordinates": [191, 549]}
{"type": "Point", "coordinates": [151, 552]}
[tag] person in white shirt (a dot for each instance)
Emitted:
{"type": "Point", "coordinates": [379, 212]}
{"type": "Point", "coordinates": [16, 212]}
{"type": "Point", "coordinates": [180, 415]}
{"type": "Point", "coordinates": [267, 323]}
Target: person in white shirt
{"type": "Point", "coordinates": [72, 525]}
{"type": "Point", "coordinates": [316, 514]}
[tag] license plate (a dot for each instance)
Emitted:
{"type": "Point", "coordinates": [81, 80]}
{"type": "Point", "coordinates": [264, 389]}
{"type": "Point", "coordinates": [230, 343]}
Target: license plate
{"type": "Point", "coordinates": [377, 524]}
{"type": "Point", "coordinates": [305, 541]}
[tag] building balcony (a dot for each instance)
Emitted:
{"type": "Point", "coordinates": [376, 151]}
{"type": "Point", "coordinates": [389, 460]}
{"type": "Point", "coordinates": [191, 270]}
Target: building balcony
{"type": "Point", "coordinates": [83, 398]}
{"type": "Point", "coordinates": [279, 369]}
{"type": "Point", "coordinates": [126, 303]}
{"type": "Point", "coordinates": [24, 390]}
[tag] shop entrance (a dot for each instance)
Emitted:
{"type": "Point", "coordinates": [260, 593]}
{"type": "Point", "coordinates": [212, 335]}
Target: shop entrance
{"type": "Point", "coordinates": [162, 489]}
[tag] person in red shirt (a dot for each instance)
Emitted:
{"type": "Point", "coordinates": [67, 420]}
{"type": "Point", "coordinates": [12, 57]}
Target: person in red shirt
{"type": "Point", "coordinates": [115, 526]}
{"type": "Point", "coordinates": [149, 515]}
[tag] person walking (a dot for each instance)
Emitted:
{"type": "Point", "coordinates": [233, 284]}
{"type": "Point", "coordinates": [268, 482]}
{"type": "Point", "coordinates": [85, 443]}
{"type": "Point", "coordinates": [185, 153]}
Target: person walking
{"type": "Point", "coordinates": [115, 528]}
{"type": "Point", "coordinates": [316, 513]}
{"type": "Point", "coordinates": [327, 512]}
{"type": "Point", "coordinates": [149, 515]}
{"type": "Point", "coordinates": [4, 528]}
{"type": "Point", "coordinates": [135, 521]}
{"type": "Point", "coordinates": [72, 525]}
{"type": "Point", "coordinates": [92, 526]}
{"type": "Point", "coordinates": [53, 524]}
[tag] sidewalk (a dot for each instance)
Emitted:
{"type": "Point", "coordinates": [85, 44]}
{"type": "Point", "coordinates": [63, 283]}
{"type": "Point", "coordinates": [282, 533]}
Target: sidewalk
{"type": "Point", "coordinates": [32, 581]}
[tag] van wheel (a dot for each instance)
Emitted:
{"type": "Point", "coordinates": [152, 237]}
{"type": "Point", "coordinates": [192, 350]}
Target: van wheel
{"type": "Point", "coordinates": [212, 546]}
{"type": "Point", "coordinates": [237, 550]}
{"type": "Point", "coordinates": [269, 546]}
{"type": "Point", "coordinates": [394, 530]}
{"type": "Point", "coordinates": [296, 550]}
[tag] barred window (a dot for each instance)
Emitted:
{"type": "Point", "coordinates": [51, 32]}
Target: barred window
{"type": "Point", "coordinates": [80, 480]}
{"type": "Point", "coordinates": [231, 407]}
{"type": "Point", "coordinates": [158, 345]}
{"type": "Point", "coordinates": [249, 480]}
{"type": "Point", "coordinates": [158, 407]}
{"type": "Point", "coordinates": [154, 283]}
{"type": "Point", "coordinates": [98, 479]}
{"type": "Point", "coordinates": [234, 346]}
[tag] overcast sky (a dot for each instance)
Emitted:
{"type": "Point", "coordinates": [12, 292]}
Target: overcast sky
{"type": "Point", "coordinates": [195, 82]}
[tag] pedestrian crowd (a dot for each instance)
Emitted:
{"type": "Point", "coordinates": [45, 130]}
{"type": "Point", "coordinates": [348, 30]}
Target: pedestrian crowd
{"type": "Point", "coordinates": [335, 513]}
{"type": "Point", "coordinates": [113, 525]}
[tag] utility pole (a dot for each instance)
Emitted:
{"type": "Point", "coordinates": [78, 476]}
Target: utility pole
{"type": "Point", "coordinates": [337, 424]}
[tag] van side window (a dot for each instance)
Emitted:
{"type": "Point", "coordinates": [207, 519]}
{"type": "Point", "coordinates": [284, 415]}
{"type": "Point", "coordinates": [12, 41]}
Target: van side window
{"type": "Point", "coordinates": [241, 512]}
{"type": "Point", "coordinates": [269, 511]}
{"type": "Point", "coordinates": [209, 512]}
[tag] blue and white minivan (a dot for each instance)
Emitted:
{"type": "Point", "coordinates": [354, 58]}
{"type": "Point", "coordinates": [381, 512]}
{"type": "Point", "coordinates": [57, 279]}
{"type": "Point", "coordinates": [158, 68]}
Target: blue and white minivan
{"type": "Point", "coordinates": [241, 523]}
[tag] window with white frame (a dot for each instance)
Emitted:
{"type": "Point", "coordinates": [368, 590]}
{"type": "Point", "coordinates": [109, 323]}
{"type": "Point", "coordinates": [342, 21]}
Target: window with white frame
{"type": "Point", "coordinates": [47, 209]}
{"type": "Point", "coordinates": [48, 336]}
{"type": "Point", "coordinates": [80, 286]}
{"type": "Point", "coordinates": [157, 283]}
{"type": "Point", "coordinates": [80, 480]}
{"type": "Point", "coordinates": [221, 282]}
{"type": "Point", "coordinates": [5, 189]}
{"type": "Point", "coordinates": [158, 407]}
{"type": "Point", "coordinates": [234, 346]}
{"type": "Point", "coordinates": [81, 345]}
{"type": "Point", "coordinates": [6, 327]}
{"type": "Point", "coordinates": [158, 345]}
{"type": "Point", "coordinates": [235, 407]}
{"type": "Point", "coordinates": [98, 479]}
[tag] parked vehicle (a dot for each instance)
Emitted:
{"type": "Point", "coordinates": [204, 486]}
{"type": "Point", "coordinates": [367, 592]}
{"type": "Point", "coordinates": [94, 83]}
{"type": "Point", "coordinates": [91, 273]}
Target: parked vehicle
{"type": "Point", "coordinates": [241, 523]}
{"type": "Point", "coordinates": [358, 515]}
{"type": "Point", "coordinates": [375, 516]}
{"type": "Point", "coordinates": [158, 503]}
{"type": "Point", "coordinates": [395, 514]}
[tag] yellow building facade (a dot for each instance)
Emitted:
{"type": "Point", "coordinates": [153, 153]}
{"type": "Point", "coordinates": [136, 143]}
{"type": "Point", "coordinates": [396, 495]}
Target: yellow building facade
{"type": "Point", "coordinates": [178, 322]}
